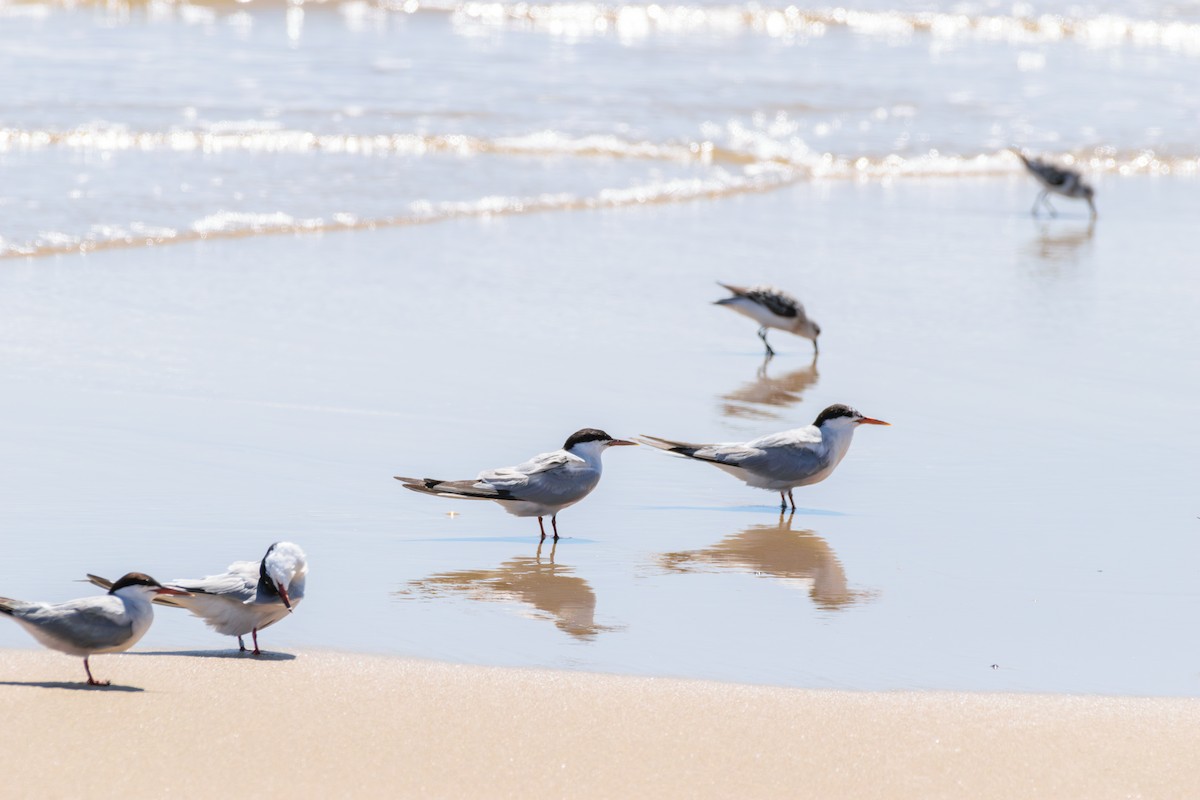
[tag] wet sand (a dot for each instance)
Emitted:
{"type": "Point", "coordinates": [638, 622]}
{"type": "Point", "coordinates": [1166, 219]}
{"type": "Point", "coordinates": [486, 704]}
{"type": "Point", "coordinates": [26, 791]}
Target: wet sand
{"type": "Point", "coordinates": [325, 723]}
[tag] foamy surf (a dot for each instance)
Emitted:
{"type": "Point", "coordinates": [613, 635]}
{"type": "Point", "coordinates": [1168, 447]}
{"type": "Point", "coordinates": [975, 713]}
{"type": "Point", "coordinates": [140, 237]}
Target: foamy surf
{"type": "Point", "coordinates": [731, 144]}
{"type": "Point", "coordinates": [761, 176]}
{"type": "Point", "coordinates": [234, 225]}
{"type": "Point", "coordinates": [631, 20]}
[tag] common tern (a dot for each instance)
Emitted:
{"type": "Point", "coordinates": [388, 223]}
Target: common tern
{"type": "Point", "coordinates": [542, 486]}
{"type": "Point", "coordinates": [1057, 180]}
{"type": "Point", "coordinates": [771, 308]}
{"type": "Point", "coordinates": [779, 462]}
{"type": "Point", "coordinates": [249, 596]}
{"type": "Point", "coordinates": [110, 623]}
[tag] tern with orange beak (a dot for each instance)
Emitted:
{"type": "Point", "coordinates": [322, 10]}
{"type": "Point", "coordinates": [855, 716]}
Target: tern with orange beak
{"type": "Point", "coordinates": [249, 596]}
{"type": "Point", "coordinates": [110, 623]}
{"type": "Point", "coordinates": [779, 462]}
{"type": "Point", "coordinates": [542, 486]}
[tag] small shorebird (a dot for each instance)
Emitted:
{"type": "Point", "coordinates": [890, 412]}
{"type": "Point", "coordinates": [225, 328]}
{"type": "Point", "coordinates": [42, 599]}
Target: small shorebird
{"type": "Point", "coordinates": [771, 308]}
{"type": "Point", "coordinates": [1059, 180]}
{"type": "Point", "coordinates": [249, 596]}
{"type": "Point", "coordinates": [110, 623]}
{"type": "Point", "coordinates": [779, 462]}
{"type": "Point", "coordinates": [542, 486]}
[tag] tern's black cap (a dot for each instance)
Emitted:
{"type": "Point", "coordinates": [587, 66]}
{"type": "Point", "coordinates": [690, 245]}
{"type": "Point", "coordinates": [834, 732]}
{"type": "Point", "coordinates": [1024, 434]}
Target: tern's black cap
{"type": "Point", "coordinates": [834, 411]}
{"type": "Point", "coordinates": [586, 435]}
{"type": "Point", "coordinates": [133, 579]}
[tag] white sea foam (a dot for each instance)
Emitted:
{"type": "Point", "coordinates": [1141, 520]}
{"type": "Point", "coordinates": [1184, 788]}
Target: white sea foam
{"type": "Point", "coordinates": [774, 141]}
{"type": "Point", "coordinates": [634, 20]}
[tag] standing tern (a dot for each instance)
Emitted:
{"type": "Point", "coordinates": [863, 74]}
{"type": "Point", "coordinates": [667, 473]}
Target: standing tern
{"type": "Point", "coordinates": [110, 623]}
{"type": "Point", "coordinates": [1059, 180]}
{"type": "Point", "coordinates": [542, 486]}
{"type": "Point", "coordinates": [771, 308]}
{"type": "Point", "coordinates": [249, 596]}
{"type": "Point", "coordinates": [779, 462]}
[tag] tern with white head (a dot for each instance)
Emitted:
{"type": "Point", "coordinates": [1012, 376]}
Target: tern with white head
{"type": "Point", "coordinates": [771, 308]}
{"type": "Point", "coordinates": [110, 623]}
{"type": "Point", "coordinates": [248, 596]}
{"type": "Point", "coordinates": [542, 486]}
{"type": "Point", "coordinates": [779, 462]}
{"type": "Point", "coordinates": [1056, 180]}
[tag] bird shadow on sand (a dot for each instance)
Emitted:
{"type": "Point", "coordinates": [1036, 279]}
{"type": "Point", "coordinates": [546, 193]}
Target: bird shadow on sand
{"type": "Point", "coordinates": [238, 654]}
{"type": "Point", "coordinates": [774, 509]}
{"type": "Point", "coordinates": [77, 686]}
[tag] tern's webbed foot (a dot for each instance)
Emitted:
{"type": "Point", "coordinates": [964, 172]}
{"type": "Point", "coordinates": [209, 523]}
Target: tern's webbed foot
{"type": "Point", "coordinates": [94, 682]}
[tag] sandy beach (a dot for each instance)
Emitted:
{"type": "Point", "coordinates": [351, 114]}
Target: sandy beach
{"type": "Point", "coordinates": [258, 258]}
{"type": "Point", "coordinates": [331, 724]}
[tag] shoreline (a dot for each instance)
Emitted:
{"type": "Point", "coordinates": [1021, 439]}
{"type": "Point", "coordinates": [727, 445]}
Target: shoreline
{"type": "Point", "coordinates": [323, 722]}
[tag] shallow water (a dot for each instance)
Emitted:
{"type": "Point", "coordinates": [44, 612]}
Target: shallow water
{"type": "Point", "coordinates": [1033, 506]}
{"type": "Point", "coordinates": [1028, 523]}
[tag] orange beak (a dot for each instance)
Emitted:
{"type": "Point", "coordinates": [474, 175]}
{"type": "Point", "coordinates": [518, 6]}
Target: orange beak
{"type": "Point", "coordinates": [283, 596]}
{"type": "Point", "coordinates": [622, 443]}
{"type": "Point", "coordinates": [169, 590]}
{"type": "Point", "coordinates": [869, 421]}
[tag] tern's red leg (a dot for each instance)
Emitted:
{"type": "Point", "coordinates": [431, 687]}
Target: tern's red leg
{"type": "Point", "coordinates": [792, 499]}
{"type": "Point", "coordinates": [782, 501]}
{"type": "Point", "coordinates": [254, 633]}
{"type": "Point", "coordinates": [543, 527]}
{"type": "Point", "coordinates": [92, 681]}
{"type": "Point", "coordinates": [554, 524]}
{"type": "Point", "coordinates": [241, 645]}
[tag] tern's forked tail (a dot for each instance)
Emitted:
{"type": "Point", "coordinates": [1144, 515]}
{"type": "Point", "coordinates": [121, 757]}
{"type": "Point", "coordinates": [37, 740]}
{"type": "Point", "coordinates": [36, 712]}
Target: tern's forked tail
{"type": "Point", "coordinates": [468, 490]}
{"type": "Point", "coordinates": [682, 448]}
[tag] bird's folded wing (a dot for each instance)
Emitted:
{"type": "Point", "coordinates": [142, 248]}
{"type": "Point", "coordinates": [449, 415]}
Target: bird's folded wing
{"type": "Point", "coordinates": [90, 623]}
{"type": "Point", "coordinates": [239, 585]}
{"type": "Point", "coordinates": [728, 454]}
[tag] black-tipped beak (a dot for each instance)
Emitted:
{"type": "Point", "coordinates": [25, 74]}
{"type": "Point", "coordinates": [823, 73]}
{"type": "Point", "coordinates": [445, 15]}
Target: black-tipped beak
{"type": "Point", "coordinates": [283, 595]}
{"type": "Point", "coordinates": [622, 443]}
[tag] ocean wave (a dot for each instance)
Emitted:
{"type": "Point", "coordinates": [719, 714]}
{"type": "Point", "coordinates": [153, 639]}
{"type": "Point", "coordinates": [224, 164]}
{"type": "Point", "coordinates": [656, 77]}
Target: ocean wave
{"type": "Point", "coordinates": [793, 21]}
{"type": "Point", "coordinates": [759, 177]}
{"type": "Point", "coordinates": [233, 225]}
{"type": "Point", "coordinates": [735, 159]}
{"type": "Point", "coordinates": [228, 137]}
{"type": "Point", "coordinates": [730, 145]}
{"type": "Point", "coordinates": [631, 20]}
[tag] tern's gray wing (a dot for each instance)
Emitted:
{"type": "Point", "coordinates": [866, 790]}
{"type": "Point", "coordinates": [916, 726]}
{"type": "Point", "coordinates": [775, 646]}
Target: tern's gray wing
{"type": "Point", "coordinates": [789, 462]}
{"type": "Point", "coordinates": [92, 623]}
{"type": "Point", "coordinates": [550, 478]}
{"type": "Point", "coordinates": [729, 455]}
{"type": "Point", "coordinates": [779, 456]}
{"type": "Point", "coordinates": [505, 483]}
{"type": "Point", "coordinates": [512, 477]}
{"type": "Point", "coordinates": [238, 584]}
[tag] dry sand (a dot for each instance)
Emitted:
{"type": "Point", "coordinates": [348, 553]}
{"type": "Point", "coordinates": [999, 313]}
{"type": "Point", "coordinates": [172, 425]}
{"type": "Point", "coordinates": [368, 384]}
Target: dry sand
{"type": "Point", "coordinates": [332, 724]}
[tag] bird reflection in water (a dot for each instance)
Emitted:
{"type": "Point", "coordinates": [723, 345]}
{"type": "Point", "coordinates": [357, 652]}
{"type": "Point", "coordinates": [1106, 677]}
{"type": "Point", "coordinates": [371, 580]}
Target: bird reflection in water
{"type": "Point", "coordinates": [1059, 243]}
{"type": "Point", "coordinates": [552, 589]}
{"type": "Point", "coordinates": [759, 398]}
{"type": "Point", "coordinates": [776, 551]}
